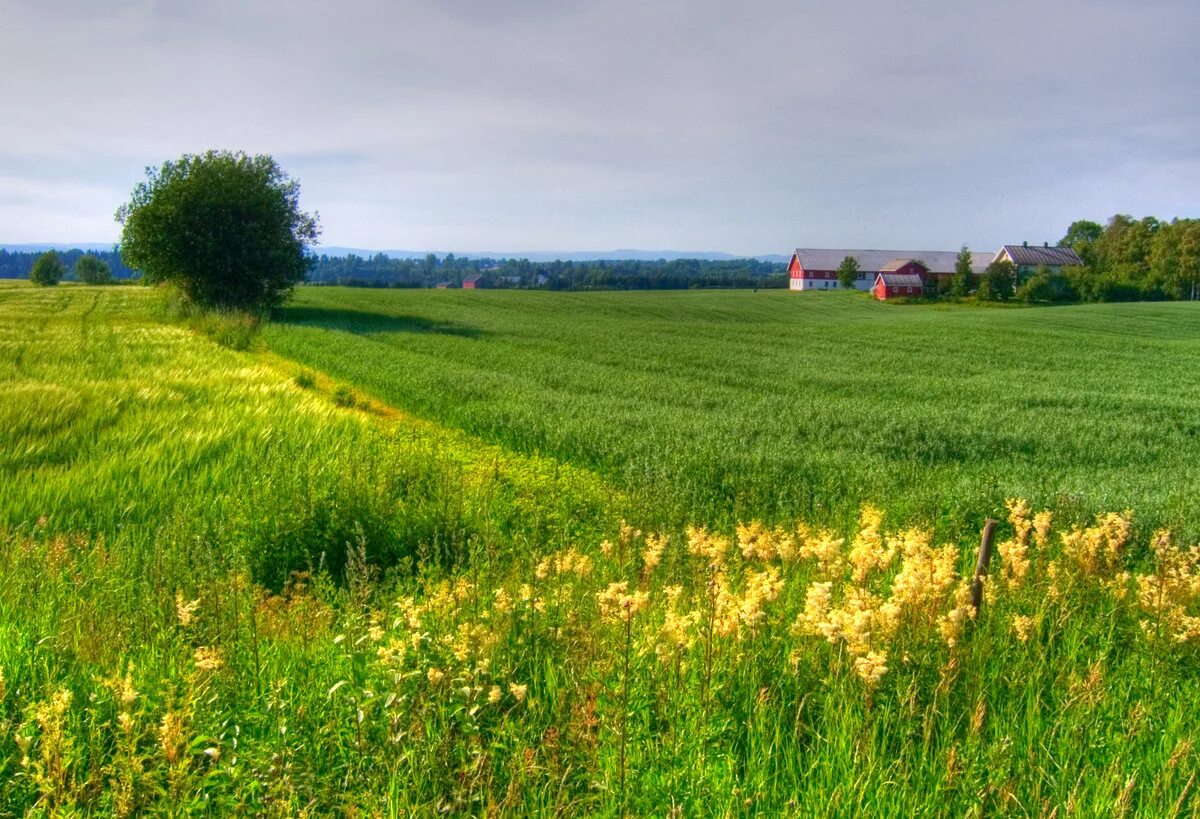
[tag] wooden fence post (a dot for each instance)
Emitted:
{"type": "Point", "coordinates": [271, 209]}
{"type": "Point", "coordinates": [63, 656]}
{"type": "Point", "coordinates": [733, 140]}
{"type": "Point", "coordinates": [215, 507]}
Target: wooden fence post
{"type": "Point", "coordinates": [981, 565]}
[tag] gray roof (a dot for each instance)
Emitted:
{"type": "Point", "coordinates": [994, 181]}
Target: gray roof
{"type": "Point", "coordinates": [1033, 256]}
{"type": "Point", "coordinates": [901, 279]}
{"type": "Point", "coordinates": [896, 264]}
{"type": "Point", "coordinates": [474, 277]}
{"type": "Point", "coordinates": [872, 261]}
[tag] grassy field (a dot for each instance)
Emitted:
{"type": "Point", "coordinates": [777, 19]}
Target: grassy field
{"type": "Point", "coordinates": [724, 406]}
{"type": "Point", "coordinates": [376, 564]}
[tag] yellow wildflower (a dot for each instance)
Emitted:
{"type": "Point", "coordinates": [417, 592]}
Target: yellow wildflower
{"type": "Point", "coordinates": [871, 667]}
{"type": "Point", "coordinates": [518, 691]}
{"type": "Point", "coordinates": [1022, 627]}
{"type": "Point", "coordinates": [208, 658]}
{"type": "Point", "coordinates": [185, 610]}
{"type": "Point", "coordinates": [617, 604]}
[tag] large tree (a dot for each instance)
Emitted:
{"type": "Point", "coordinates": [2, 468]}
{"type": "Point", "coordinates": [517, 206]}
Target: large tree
{"type": "Point", "coordinates": [225, 227]}
{"type": "Point", "coordinates": [91, 269]}
{"type": "Point", "coordinates": [48, 269]}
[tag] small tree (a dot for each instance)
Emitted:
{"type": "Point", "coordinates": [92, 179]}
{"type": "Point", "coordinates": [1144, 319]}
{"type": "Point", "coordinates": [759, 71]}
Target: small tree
{"type": "Point", "coordinates": [996, 283]}
{"type": "Point", "coordinates": [48, 270]}
{"type": "Point", "coordinates": [847, 272]}
{"type": "Point", "coordinates": [92, 270]}
{"type": "Point", "coordinates": [1038, 287]}
{"type": "Point", "coordinates": [226, 228]}
{"type": "Point", "coordinates": [960, 282]}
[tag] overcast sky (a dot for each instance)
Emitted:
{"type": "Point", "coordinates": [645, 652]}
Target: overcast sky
{"type": "Point", "coordinates": [570, 124]}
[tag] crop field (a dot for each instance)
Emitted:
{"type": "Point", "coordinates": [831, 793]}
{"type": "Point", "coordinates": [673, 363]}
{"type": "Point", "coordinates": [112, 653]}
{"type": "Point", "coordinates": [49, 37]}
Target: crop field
{"type": "Point", "coordinates": [666, 554]}
{"type": "Point", "coordinates": [716, 407]}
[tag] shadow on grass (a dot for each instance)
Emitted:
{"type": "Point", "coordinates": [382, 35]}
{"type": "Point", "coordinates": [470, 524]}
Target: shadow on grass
{"type": "Point", "coordinates": [361, 322]}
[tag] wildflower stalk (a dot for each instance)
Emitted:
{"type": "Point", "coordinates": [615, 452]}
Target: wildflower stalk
{"type": "Point", "coordinates": [625, 708]}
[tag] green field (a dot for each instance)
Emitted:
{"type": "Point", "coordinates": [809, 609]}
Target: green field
{"type": "Point", "coordinates": [375, 565]}
{"type": "Point", "coordinates": [723, 406]}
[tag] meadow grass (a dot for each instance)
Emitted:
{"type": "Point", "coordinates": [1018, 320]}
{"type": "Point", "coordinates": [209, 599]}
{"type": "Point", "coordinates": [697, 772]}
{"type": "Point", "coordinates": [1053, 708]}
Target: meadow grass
{"type": "Point", "coordinates": [221, 592]}
{"type": "Point", "coordinates": [725, 406]}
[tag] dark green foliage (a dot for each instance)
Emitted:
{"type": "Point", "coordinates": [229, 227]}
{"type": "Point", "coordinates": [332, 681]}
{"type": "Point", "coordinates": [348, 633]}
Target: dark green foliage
{"type": "Point", "coordinates": [847, 272]}
{"type": "Point", "coordinates": [91, 269]}
{"type": "Point", "coordinates": [621, 274]}
{"type": "Point", "coordinates": [343, 396]}
{"type": "Point", "coordinates": [224, 227]}
{"type": "Point", "coordinates": [48, 270]}
{"type": "Point", "coordinates": [961, 283]}
{"type": "Point", "coordinates": [16, 264]}
{"type": "Point", "coordinates": [1037, 288]}
{"type": "Point", "coordinates": [1134, 259]}
{"type": "Point", "coordinates": [998, 281]}
{"type": "Point", "coordinates": [305, 379]}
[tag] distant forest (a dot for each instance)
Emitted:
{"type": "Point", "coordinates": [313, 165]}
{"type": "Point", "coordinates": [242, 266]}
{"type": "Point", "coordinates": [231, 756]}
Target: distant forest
{"type": "Point", "coordinates": [450, 270]}
{"type": "Point", "coordinates": [430, 271]}
{"type": "Point", "coordinates": [16, 265]}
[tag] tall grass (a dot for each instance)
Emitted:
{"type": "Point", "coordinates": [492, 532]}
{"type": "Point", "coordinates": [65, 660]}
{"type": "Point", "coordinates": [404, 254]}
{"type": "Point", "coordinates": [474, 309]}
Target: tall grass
{"type": "Point", "coordinates": [762, 672]}
{"type": "Point", "coordinates": [724, 406]}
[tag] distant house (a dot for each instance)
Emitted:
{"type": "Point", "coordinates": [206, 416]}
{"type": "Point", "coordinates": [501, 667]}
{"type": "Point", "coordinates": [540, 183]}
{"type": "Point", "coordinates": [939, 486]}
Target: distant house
{"type": "Point", "coordinates": [816, 268]}
{"type": "Point", "coordinates": [542, 280]}
{"type": "Point", "coordinates": [473, 282]}
{"type": "Point", "coordinates": [442, 285]}
{"type": "Point", "coordinates": [1028, 259]}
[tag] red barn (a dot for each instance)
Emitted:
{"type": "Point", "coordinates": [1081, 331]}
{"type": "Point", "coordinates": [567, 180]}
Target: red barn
{"type": "Point", "coordinates": [472, 282]}
{"type": "Point", "coordinates": [816, 268]}
{"type": "Point", "coordinates": [891, 285]}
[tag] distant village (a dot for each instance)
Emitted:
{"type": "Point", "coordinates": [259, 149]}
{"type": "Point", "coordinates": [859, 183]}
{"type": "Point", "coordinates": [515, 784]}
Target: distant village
{"type": "Point", "coordinates": [891, 274]}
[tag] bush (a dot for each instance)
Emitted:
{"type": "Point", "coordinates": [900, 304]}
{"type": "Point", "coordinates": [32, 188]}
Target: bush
{"type": "Point", "coordinates": [305, 380]}
{"type": "Point", "coordinates": [92, 270]}
{"type": "Point", "coordinates": [343, 396]}
{"type": "Point", "coordinates": [48, 270]}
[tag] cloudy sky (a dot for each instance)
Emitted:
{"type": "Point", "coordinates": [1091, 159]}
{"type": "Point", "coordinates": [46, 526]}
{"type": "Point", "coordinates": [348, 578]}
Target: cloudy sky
{"type": "Point", "coordinates": [746, 127]}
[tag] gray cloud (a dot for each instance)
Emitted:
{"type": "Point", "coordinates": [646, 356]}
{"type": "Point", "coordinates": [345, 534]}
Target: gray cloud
{"type": "Point", "coordinates": [537, 125]}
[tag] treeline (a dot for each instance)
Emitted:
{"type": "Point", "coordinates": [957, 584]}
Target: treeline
{"type": "Point", "coordinates": [17, 264]}
{"type": "Point", "coordinates": [1132, 259]}
{"type": "Point", "coordinates": [1126, 260]}
{"type": "Point", "coordinates": [679, 274]}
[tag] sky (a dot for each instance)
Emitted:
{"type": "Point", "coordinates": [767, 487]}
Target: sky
{"type": "Point", "coordinates": [744, 127]}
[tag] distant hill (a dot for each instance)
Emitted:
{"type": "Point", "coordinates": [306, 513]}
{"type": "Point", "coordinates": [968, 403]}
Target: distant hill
{"type": "Point", "coordinates": [554, 255]}
{"type": "Point", "coordinates": [531, 255]}
{"type": "Point", "coordinates": [44, 246]}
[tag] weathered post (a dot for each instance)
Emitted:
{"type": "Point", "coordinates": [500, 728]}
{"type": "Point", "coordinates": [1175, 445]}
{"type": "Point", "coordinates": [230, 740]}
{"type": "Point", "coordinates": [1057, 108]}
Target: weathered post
{"type": "Point", "coordinates": [981, 565]}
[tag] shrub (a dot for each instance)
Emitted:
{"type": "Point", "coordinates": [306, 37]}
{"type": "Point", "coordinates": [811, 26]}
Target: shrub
{"type": "Point", "coordinates": [48, 270]}
{"type": "Point", "coordinates": [343, 396]}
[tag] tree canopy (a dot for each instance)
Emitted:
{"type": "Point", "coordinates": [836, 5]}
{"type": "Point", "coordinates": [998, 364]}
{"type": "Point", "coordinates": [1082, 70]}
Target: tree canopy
{"type": "Point", "coordinates": [847, 272]}
{"type": "Point", "coordinates": [91, 269]}
{"type": "Point", "coordinates": [224, 227]}
{"type": "Point", "coordinates": [48, 270]}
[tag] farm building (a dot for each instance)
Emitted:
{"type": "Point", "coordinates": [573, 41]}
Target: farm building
{"type": "Point", "coordinates": [1028, 259]}
{"type": "Point", "coordinates": [816, 269]}
{"type": "Point", "coordinates": [472, 282]}
{"type": "Point", "coordinates": [898, 285]}
{"type": "Point", "coordinates": [899, 278]}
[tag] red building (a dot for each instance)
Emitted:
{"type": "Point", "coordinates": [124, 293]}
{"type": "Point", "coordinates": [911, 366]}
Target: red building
{"type": "Point", "coordinates": [816, 268]}
{"type": "Point", "coordinates": [472, 282]}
